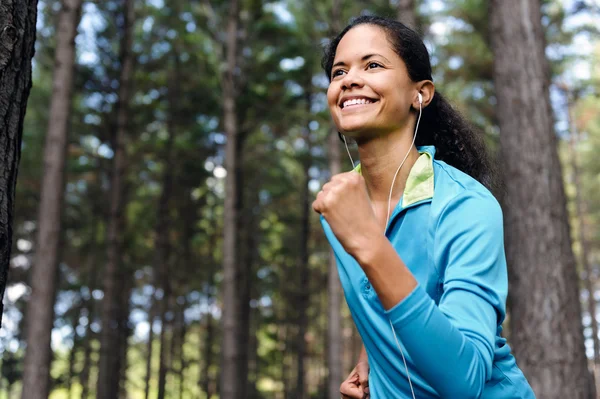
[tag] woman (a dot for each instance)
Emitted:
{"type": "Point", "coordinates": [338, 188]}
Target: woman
{"type": "Point", "coordinates": [426, 279]}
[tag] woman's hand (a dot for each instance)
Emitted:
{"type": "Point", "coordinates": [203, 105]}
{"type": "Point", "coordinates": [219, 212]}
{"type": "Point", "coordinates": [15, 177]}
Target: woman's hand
{"type": "Point", "coordinates": [345, 204]}
{"type": "Point", "coordinates": [356, 385]}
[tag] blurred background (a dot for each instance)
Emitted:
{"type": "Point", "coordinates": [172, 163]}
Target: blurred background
{"type": "Point", "coordinates": [159, 285]}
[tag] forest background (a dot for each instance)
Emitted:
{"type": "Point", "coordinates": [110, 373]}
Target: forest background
{"type": "Point", "coordinates": [163, 244]}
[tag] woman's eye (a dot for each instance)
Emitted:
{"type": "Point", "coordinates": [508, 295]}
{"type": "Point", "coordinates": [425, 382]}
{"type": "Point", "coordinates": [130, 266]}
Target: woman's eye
{"type": "Point", "coordinates": [339, 72]}
{"type": "Point", "coordinates": [374, 65]}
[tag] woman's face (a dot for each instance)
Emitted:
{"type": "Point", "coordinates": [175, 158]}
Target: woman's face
{"type": "Point", "coordinates": [370, 91]}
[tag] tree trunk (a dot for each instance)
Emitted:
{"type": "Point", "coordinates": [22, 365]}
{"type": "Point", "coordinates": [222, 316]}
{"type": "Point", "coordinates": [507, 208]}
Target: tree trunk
{"type": "Point", "coordinates": [334, 290]}
{"type": "Point", "coordinates": [151, 317]}
{"type": "Point", "coordinates": [84, 374]}
{"type": "Point", "coordinates": [303, 269]}
{"type": "Point", "coordinates": [40, 309]}
{"type": "Point", "coordinates": [182, 360]}
{"type": "Point", "coordinates": [544, 295]}
{"type": "Point", "coordinates": [232, 381]}
{"type": "Point", "coordinates": [583, 241]}
{"type": "Point", "coordinates": [163, 249]}
{"type": "Point", "coordinates": [74, 349]}
{"type": "Point", "coordinates": [124, 332]}
{"type": "Point", "coordinates": [208, 355]}
{"type": "Point", "coordinates": [165, 325]}
{"type": "Point", "coordinates": [16, 51]}
{"type": "Point", "coordinates": [407, 13]}
{"type": "Point", "coordinates": [109, 362]}
{"type": "Point", "coordinates": [334, 332]}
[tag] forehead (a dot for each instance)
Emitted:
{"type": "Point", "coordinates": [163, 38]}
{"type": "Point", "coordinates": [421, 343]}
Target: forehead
{"type": "Point", "coordinates": [364, 39]}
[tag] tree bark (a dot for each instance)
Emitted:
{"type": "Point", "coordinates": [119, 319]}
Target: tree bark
{"type": "Point", "coordinates": [73, 353]}
{"type": "Point", "coordinates": [334, 289]}
{"type": "Point", "coordinates": [16, 51]}
{"type": "Point", "coordinates": [151, 317]}
{"type": "Point", "coordinates": [124, 331]}
{"type": "Point", "coordinates": [84, 374]}
{"type": "Point", "coordinates": [113, 286]}
{"type": "Point", "coordinates": [407, 13]}
{"type": "Point", "coordinates": [303, 269]}
{"type": "Point", "coordinates": [232, 381]}
{"type": "Point", "coordinates": [40, 309]}
{"type": "Point", "coordinates": [165, 325]}
{"type": "Point", "coordinates": [181, 341]}
{"type": "Point", "coordinates": [544, 295]}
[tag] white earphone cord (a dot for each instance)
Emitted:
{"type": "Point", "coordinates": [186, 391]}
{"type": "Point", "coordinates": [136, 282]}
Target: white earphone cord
{"type": "Point", "coordinates": [388, 220]}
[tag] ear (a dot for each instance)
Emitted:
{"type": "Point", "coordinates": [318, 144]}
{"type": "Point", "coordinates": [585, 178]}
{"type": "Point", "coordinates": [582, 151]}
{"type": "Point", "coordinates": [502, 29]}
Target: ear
{"type": "Point", "coordinates": [427, 90]}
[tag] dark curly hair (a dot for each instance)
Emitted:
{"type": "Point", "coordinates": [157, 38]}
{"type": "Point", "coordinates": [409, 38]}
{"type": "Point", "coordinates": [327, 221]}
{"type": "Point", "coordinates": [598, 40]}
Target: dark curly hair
{"type": "Point", "coordinates": [457, 142]}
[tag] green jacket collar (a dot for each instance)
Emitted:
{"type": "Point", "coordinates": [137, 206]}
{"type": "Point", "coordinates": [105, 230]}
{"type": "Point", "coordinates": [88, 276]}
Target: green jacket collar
{"type": "Point", "coordinates": [419, 185]}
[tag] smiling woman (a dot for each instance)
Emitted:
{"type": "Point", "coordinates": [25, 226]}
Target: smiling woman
{"type": "Point", "coordinates": [425, 281]}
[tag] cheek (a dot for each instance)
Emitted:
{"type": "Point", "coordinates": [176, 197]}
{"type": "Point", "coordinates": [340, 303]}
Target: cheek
{"type": "Point", "coordinates": [332, 95]}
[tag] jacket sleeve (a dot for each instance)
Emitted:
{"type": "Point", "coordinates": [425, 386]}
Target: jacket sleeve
{"type": "Point", "coordinates": [452, 344]}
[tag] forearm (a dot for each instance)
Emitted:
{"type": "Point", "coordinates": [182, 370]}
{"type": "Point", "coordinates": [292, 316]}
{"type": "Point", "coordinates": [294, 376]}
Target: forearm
{"type": "Point", "coordinates": [363, 355]}
{"type": "Point", "coordinates": [386, 272]}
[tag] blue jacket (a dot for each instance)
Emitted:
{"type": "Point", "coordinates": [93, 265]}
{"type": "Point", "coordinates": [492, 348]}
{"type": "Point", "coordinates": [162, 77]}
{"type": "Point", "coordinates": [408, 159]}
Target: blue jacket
{"type": "Point", "coordinates": [447, 228]}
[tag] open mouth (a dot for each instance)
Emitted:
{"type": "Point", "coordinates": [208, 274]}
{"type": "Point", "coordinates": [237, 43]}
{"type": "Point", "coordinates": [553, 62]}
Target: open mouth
{"type": "Point", "coordinates": [355, 102]}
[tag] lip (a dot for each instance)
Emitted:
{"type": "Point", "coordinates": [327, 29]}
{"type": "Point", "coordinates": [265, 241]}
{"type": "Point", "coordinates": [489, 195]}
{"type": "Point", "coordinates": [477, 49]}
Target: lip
{"type": "Point", "coordinates": [355, 97]}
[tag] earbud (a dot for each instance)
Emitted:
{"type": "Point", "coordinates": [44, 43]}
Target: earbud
{"type": "Point", "coordinates": [420, 98]}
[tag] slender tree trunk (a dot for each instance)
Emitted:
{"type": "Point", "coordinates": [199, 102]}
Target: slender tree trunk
{"type": "Point", "coordinates": [163, 247]}
{"type": "Point", "coordinates": [74, 349]}
{"type": "Point", "coordinates": [124, 332]}
{"type": "Point", "coordinates": [182, 360]}
{"type": "Point", "coordinates": [233, 354]}
{"type": "Point", "coordinates": [151, 317]}
{"type": "Point", "coordinates": [17, 38]}
{"type": "Point", "coordinates": [165, 327]}
{"type": "Point", "coordinates": [109, 362]}
{"type": "Point", "coordinates": [544, 294]}
{"type": "Point", "coordinates": [208, 356]}
{"type": "Point", "coordinates": [40, 309]}
{"type": "Point", "coordinates": [253, 371]}
{"type": "Point", "coordinates": [589, 279]}
{"type": "Point", "coordinates": [334, 290]}
{"type": "Point", "coordinates": [84, 374]}
{"type": "Point", "coordinates": [303, 270]}
{"type": "Point", "coordinates": [407, 13]}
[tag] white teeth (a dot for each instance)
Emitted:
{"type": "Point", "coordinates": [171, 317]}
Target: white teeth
{"type": "Point", "coordinates": [356, 101]}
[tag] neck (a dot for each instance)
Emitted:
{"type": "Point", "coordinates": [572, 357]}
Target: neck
{"type": "Point", "coordinates": [380, 159]}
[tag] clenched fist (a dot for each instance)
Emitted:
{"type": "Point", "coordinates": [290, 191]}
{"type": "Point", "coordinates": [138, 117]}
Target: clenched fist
{"type": "Point", "coordinates": [344, 203]}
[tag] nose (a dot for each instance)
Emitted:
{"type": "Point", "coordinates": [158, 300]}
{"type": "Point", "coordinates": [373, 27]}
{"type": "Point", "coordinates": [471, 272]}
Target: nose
{"type": "Point", "coordinates": [352, 79]}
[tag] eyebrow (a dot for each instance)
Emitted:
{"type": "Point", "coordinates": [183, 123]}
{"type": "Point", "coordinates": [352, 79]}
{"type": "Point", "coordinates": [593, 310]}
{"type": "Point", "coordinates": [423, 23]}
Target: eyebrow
{"type": "Point", "coordinates": [364, 58]}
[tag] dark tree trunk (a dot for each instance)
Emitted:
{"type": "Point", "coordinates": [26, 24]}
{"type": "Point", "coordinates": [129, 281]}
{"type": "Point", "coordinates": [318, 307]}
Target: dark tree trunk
{"type": "Point", "coordinates": [207, 351]}
{"type": "Point", "coordinates": [181, 354]}
{"type": "Point", "coordinates": [73, 352]}
{"type": "Point", "coordinates": [151, 317]}
{"type": "Point", "coordinates": [334, 290]}
{"type": "Point", "coordinates": [113, 285]}
{"type": "Point", "coordinates": [84, 374]}
{"type": "Point", "coordinates": [407, 13]}
{"type": "Point", "coordinates": [303, 269]}
{"type": "Point", "coordinates": [16, 51]}
{"type": "Point", "coordinates": [206, 378]}
{"type": "Point", "coordinates": [234, 354]}
{"type": "Point", "coordinates": [165, 327]}
{"type": "Point", "coordinates": [544, 293]}
{"type": "Point", "coordinates": [124, 332]}
{"type": "Point", "coordinates": [40, 309]}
